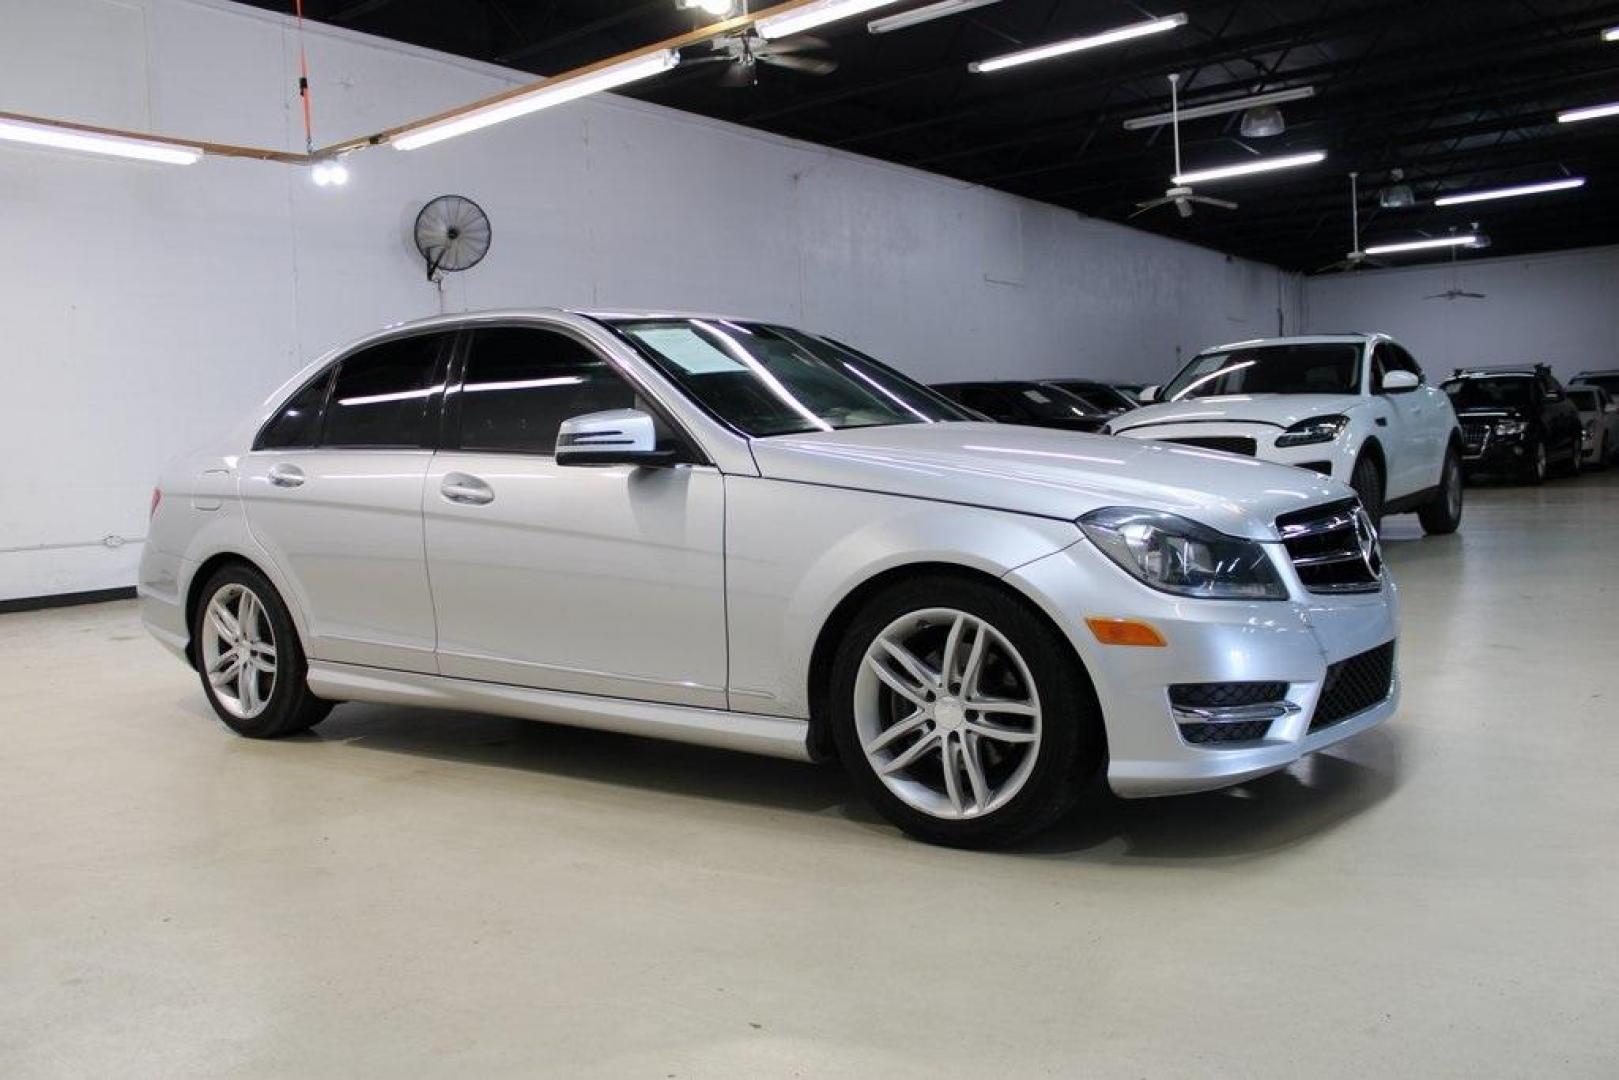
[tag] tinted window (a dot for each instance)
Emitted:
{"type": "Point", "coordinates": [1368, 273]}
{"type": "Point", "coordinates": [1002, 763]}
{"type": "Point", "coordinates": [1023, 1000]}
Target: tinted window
{"type": "Point", "coordinates": [1585, 400]}
{"type": "Point", "coordinates": [521, 383]}
{"type": "Point", "coordinates": [298, 422]}
{"type": "Point", "coordinates": [1098, 397]}
{"type": "Point", "coordinates": [1492, 391]}
{"type": "Point", "coordinates": [1610, 383]}
{"type": "Point", "coordinates": [382, 394]}
{"type": "Point", "coordinates": [1326, 368]}
{"type": "Point", "coordinates": [1400, 360]}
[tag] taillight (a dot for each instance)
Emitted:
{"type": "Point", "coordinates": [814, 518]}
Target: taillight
{"type": "Point", "coordinates": [157, 497]}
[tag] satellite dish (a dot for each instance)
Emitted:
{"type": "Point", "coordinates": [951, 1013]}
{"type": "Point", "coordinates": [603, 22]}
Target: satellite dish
{"type": "Point", "coordinates": [452, 233]}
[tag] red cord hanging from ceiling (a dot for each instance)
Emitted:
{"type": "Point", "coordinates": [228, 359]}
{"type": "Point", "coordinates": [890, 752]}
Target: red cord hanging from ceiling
{"type": "Point", "coordinates": [303, 80]}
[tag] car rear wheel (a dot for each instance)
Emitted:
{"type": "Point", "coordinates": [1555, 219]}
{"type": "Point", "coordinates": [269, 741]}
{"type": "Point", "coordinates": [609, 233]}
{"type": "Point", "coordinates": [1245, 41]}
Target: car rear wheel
{"type": "Point", "coordinates": [252, 666]}
{"type": "Point", "coordinates": [961, 714]}
{"type": "Point", "coordinates": [1367, 480]}
{"type": "Point", "coordinates": [1443, 513]}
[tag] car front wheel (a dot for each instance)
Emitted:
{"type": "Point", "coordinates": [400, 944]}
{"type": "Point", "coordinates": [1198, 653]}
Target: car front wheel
{"type": "Point", "coordinates": [1535, 471]}
{"type": "Point", "coordinates": [1367, 480]}
{"type": "Point", "coordinates": [961, 714]}
{"type": "Point", "coordinates": [252, 665]}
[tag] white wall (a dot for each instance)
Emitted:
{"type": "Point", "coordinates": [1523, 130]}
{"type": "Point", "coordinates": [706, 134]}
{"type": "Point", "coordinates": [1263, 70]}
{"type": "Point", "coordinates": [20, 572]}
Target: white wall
{"type": "Point", "coordinates": [1561, 309]}
{"type": "Point", "coordinates": [146, 307]}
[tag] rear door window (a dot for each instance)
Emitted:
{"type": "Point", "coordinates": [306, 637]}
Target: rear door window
{"type": "Point", "coordinates": [383, 392]}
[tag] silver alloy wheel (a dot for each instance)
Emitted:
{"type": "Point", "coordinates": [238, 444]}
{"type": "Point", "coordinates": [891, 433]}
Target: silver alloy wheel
{"type": "Point", "coordinates": [238, 650]}
{"type": "Point", "coordinates": [1453, 488]}
{"type": "Point", "coordinates": [947, 713]}
{"type": "Point", "coordinates": [1540, 460]}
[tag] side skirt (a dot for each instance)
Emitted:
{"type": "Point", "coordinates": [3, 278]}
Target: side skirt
{"type": "Point", "coordinates": [769, 735]}
{"type": "Point", "coordinates": [1406, 504]}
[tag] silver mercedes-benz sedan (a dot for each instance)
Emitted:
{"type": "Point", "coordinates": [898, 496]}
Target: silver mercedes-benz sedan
{"type": "Point", "coordinates": [743, 535]}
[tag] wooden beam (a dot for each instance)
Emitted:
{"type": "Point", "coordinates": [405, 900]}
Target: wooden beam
{"type": "Point", "coordinates": [215, 149]}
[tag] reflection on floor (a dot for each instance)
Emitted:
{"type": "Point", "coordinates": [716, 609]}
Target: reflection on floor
{"type": "Point", "coordinates": [412, 893]}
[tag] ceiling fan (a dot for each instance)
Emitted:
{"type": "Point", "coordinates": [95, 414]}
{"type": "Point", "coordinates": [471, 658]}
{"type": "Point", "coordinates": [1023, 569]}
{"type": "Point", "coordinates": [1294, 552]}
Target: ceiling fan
{"type": "Point", "coordinates": [1456, 292]}
{"type": "Point", "coordinates": [1181, 196]}
{"type": "Point", "coordinates": [743, 53]}
{"type": "Point", "coordinates": [1356, 257]}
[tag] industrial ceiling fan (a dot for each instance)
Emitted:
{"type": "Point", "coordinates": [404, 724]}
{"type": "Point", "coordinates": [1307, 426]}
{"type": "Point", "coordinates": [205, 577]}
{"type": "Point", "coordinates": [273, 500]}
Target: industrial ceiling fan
{"type": "Point", "coordinates": [742, 54]}
{"type": "Point", "coordinates": [1356, 257]}
{"type": "Point", "coordinates": [1180, 196]}
{"type": "Point", "coordinates": [1456, 292]}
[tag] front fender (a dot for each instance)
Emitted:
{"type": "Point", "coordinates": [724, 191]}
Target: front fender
{"type": "Point", "coordinates": [795, 551]}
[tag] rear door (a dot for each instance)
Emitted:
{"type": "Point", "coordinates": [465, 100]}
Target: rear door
{"type": "Point", "coordinates": [606, 579]}
{"type": "Point", "coordinates": [1408, 439]}
{"type": "Point", "coordinates": [333, 492]}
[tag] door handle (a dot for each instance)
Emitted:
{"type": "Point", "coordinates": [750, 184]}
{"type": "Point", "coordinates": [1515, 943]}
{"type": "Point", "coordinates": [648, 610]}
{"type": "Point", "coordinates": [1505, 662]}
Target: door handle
{"type": "Point", "coordinates": [287, 476]}
{"type": "Point", "coordinates": [459, 487]}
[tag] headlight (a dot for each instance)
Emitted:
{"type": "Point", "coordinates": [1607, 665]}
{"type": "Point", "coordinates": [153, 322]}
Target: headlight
{"type": "Point", "coordinates": [1174, 555]}
{"type": "Point", "coordinates": [1511, 427]}
{"type": "Point", "coordinates": [1317, 429]}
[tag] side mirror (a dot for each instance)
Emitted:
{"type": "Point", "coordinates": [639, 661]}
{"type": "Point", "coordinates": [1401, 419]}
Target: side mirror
{"type": "Point", "coordinates": [618, 437]}
{"type": "Point", "coordinates": [1148, 395]}
{"type": "Point", "coordinates": [1400, 382]}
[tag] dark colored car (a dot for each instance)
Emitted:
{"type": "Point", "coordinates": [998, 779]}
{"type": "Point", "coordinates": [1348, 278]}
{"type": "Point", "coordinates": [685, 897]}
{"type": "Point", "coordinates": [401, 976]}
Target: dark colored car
{"type": "Point", "coordinates": [1035, 404]}
{"type": "Point", "coordinates": [1515, 420]}
{"type": "Point", "coordinates": [1105, 398]}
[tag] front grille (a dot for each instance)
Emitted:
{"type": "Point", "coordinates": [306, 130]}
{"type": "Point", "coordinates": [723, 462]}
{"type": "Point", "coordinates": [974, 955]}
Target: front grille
{"type": "Point", "coordinates": [1475, 437]}
{"type": "Point", "coordinates": [1333, 548]}
{"type": "Point", "coordinates": [1354, 685]}
{"type": "Point", "coordinates": [1225, 694]}
{"type": "Point", "coordinates": [1231, 444]}
{"type": "Point", "coordinates": [1248, 731]}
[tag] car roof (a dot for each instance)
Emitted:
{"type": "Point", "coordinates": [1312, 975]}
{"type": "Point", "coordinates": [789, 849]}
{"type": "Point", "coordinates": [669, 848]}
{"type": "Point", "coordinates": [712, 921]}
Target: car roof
{"type": "Point", "coordinates": [1357, 337]}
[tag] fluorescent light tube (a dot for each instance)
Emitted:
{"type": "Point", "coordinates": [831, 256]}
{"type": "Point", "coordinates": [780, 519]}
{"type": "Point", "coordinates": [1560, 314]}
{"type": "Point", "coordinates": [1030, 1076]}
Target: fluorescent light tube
{"type": "Point", "coordinates": [543, 97]}
{"type": "Point", "coordinates": [925, 14]}
{"type": "Point", "coordinates": [89, 142]}
{"type": "Point", "coordinates": [1611, 34]}
{"type": "Point", "coordinates": [1510, 192]}
{"type": "Point", "coordinates": [1463, 240]}
{"type": "Point", "coordinates": [812, 15]}
{"type": "Point", "coordinates": [1197, 112]}
{"type": "Point", "coordinates": [1590, 112]}
{"type": "Point", "coordinates": [1223, 172]}
{"type": "Point", "coordinates": [1079, 44]}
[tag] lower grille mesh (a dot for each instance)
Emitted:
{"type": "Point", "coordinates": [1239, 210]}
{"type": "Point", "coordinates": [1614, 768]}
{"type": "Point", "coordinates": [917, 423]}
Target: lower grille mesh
{"type": "Point", "coordinates": [1249, 731]}
{"type": "Point", "coordinates": [1354, 685]}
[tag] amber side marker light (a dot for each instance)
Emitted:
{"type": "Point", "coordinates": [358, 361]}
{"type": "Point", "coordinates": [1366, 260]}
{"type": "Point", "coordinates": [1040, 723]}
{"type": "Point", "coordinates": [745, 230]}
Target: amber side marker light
{"type": "Point", "coordinates": [1126, 632]}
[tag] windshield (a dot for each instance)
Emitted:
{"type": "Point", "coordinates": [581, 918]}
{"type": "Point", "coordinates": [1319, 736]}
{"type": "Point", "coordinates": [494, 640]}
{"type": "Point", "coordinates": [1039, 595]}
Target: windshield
{"type": "Point", "coordinates": [1494, 392]}
{"type": "Point", "coordinates": [769, 380]}
{"type": "Point", "coordinates": [1100, 398]}
{"type": "Point", "coordinates": [1327, 368]}
{"type": "Point", "coordinates": [1584, 400]}
{"type": "Point", "coordinates": [1610, 383]}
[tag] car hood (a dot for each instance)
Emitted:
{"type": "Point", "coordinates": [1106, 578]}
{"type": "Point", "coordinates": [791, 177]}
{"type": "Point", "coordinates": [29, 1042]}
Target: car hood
{"type": "Point", "coordinates": [1278, 410]}
{"type": "Point", "coordinates": [1051, 473]}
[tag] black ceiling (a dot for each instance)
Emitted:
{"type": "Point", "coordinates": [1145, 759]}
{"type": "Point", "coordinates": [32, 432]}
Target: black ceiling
{"type": "Point", "coordinates": [1459, 94]}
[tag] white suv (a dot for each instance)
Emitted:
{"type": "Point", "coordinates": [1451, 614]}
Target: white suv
{"type": "Point", "coordinates": [733, 533]}
{"type": "Point", "coordinates": [1355, 407]}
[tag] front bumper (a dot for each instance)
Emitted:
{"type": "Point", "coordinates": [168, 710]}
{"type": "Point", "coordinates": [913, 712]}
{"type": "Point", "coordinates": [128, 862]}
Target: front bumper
{"type": "Point", "coordinates": [1292, 641]}
{"type": "Point", "coordinates": [1331, 459]}
{"type": "Point", "coordinates": [1487, 452]}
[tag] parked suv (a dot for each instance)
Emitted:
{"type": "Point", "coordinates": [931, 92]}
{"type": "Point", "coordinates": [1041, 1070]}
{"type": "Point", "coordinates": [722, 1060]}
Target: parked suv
{"type": "Point", "coordinates": [1607, 378]}
{"type": "Point", "coordinates": [1599, 417]}
{"type": "Point", "coordinates": [1516, 420]}
{"type": "Point", "coordinates": [738, 534]}
{"type": "Point", "coordinates": [1355, 407]}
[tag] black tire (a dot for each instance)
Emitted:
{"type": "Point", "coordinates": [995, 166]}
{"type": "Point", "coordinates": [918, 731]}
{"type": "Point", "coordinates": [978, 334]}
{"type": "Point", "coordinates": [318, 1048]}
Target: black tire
{"type": "Point", "coordinates": [1536, 468]}
{"type": "Point", "coordinates": [1443, 513]}
{"type": "Point", "coordinates": [1071, 746]}
{"type": "Point", "coordinates": [1367, 480]}
{"type": "Point", "coordinates": [1576, 462]}
{"type": "Point", "coordinates": [289, 707]}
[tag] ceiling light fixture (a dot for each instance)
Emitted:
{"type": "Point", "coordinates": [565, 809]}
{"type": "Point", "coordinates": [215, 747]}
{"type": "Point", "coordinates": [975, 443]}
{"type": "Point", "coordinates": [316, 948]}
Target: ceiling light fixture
{"type": "Point", "coordinates": [717, 8]}
{"type": "Point", "coordinates": [1511, 192]}
{"type": "Point", "coordinates": [1220, 108]}
{"type": "Point", "coordinates": [812, 15]}
{"type": "Point", "coordinates": [329, 172]}
{"type": "Point", "coordinates": [1262, 122]}
{"type": "Point", "coordinates": [1245, 168]}
{"type": "Point", "coordinates": [1079, 44]}
{"type": "Point", "coordinates": [1611, 34]}
{"type": "Point", "coordinates": [1590, 112]}
{"type": "Point", "coordinates": [925, 14]}
{"type": "Point", "coordinates": [90, 142]}
{"type": "Point", "coordinates": [542, 97]}
{"type": "Point", "coordinates": [1460, 240]}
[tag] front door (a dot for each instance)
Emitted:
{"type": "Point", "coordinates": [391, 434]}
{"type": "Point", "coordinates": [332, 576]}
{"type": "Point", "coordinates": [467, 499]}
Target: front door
{"type": "Point", "coordinates": [593, 579]}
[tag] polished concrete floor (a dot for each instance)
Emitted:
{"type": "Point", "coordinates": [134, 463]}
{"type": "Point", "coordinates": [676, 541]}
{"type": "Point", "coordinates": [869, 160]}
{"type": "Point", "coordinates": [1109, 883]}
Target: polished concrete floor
{"type": "Point", "coordinates": [417, 894]}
